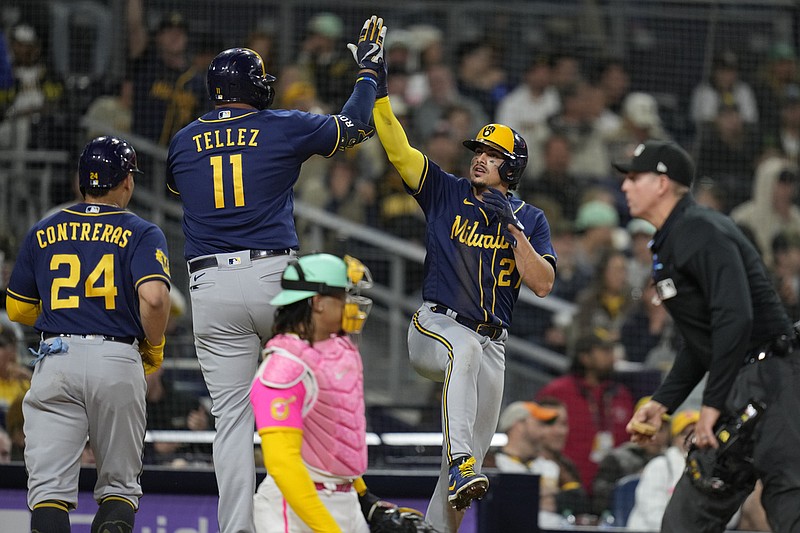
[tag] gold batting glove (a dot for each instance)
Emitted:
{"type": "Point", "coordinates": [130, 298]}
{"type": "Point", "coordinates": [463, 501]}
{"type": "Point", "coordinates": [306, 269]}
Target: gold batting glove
{"type": "Point", "coordinates": [152, 355]}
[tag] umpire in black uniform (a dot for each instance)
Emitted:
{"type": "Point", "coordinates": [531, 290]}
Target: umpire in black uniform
{"type": "Point", "coordinates": [718, 291]}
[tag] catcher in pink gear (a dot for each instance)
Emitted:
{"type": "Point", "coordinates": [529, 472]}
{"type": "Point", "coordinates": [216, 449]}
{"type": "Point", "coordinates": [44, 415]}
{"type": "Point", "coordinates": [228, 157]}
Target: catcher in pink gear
{"type": "Point", "coordinates": [308, 397]}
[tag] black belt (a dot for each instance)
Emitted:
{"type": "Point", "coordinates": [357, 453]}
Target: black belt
{"type": "Point", "coordinates": [123, 340]}
{"type": "Point", "coordinates": [211, 261]}
{"type": "Point", "coordinates": [780, 346]}
{"type": "Point", "coordinates": [492, 331]}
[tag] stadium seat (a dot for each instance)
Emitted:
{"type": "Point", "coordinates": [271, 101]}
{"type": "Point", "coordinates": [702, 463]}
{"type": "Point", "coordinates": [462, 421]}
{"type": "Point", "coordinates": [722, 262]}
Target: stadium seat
{"type": "Point", "coordinates": [623, 498]}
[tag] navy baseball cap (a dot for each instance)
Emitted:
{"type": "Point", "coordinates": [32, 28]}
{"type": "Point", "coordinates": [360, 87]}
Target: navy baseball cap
{"type": "Point", "coordinates": [661, 157]}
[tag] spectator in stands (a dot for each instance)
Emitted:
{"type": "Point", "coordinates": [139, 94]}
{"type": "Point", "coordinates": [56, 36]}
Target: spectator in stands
{"type": "Point", "coordinates": [648, 333]}
{"type": "Point", "coordinates": [443, 95]}
{"type": "Point", "coordinates": [777, 79]}
{"type": "Point", "coordinates": [480, 74]}
{"type": "Point", "coordinates": [626, 459]}
{"type": "Point", "coordinates": [571, 496]}
{"type": "Point", "coordinates": [661, 474]}
{"type": "Point", "coordinates": [785, 140]}
{"type": "Point", "coordinates": [723, 89]}
{"type": "Point", "coordinates": [574, 121]}
{"type": "Point", "coordinates": [114, 110]}
{"type": "Point", "coordinates": [522, 422]}
{"type": "Point", "coordinates": [709, 193]}
{"type": "Point", "coordinates": [728, 151]}
{"type": "Point", "coordinates": [606, 121]}
{"type": "Point", "coordinates": [556, 182]}
{"type": "Point", "coordinates": [528, 106]}
{"type": "Point", "coordinates": [339, 192]}
{"type": "Point", "coordinates": [325, 60]}
{"type": "Point", "coordinates": [595, 224]}
{"type": "Point", "coordinates": [5, 447]}
{"type": "Point", "coordinates": [605, 303]}
{"type": "Point", "coordinates": [14, 426]}
{"type": "Point", "coordinates": [400, 213]}
{"type": "Point", "coordinates": [614, 80]}
{"type": "Point", "coordinates": [172, 409]}
{"type": "Point", "coordinates": [35, 91]}
{"type": "Point", "coordinates": [640, 121]}
{"type": "Point", "coordinates": [263, 43]}
{"type": "Point", "coordinates": [15, 379]}
{"type": "Point", "coordinates": [567, 70]}
{"type": "Point", "coordinates": [598, 407]}
{"type": "Point", "coordinates": [772, 208]}
{"type": "Point", "coordinates": [786, 271]}
{"type": "Point", "coordinates": [640, 260]}
{"type": "Point", "coordinates": [159, 68]}
{"type": "Point", "coordinates": [429, 51]}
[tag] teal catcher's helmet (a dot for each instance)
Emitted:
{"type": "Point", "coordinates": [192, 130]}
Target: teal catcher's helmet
{"type": "Point", "coordinates": [328, 275]}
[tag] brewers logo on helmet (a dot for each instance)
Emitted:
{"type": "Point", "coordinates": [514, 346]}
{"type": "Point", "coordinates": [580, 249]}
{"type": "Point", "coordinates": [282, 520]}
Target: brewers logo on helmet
{"type": "Point", "coordinates": [238, 75]}
{"type": "Point", "coordinates": [509, 143]}
{"type": "Point", "coordinates": [105, 162]}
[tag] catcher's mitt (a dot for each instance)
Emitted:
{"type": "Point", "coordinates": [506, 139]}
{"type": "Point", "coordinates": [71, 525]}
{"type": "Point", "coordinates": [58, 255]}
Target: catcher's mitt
{"type": "Point", "coordinates": [399, 520]}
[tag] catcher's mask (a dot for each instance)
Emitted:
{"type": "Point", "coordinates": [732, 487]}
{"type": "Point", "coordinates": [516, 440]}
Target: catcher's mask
{"type": "Point", "coordinates": [328, 275]}
{"type": "Point", "coordinates": [509, 143]}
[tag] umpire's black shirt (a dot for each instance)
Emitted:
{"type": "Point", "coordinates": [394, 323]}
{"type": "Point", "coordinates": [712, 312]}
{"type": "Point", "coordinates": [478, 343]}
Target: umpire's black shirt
{"type": "Point", "coordinates": [715, 286]}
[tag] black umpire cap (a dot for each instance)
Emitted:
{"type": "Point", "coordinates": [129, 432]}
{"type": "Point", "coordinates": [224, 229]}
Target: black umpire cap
{"type": "Point", "coordinates": [661, 157]}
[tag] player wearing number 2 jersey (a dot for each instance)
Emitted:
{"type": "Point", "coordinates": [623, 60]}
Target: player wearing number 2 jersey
{"type": "Point", "coordinates": [94, 280]}
{"type": "Point", "coordinates": [234, 169]}
{"type": "Point", "coordinates": [482, 243]}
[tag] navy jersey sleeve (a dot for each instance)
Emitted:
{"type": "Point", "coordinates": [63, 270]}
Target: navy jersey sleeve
{"type": "Point", "coordinates": [537, 229]}
{"type": "Point", "coordinates": [22, 284]}
{"type": "Point", "coordinates": [150, 259]}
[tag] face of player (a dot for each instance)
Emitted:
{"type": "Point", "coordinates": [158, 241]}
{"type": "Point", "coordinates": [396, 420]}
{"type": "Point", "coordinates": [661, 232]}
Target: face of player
{"type": "Point", "coordinates": [327, 315]}
{"type": "Point", "coordinates": [642, 192]}
{"type": "Point", "coordinates": [484, 168]}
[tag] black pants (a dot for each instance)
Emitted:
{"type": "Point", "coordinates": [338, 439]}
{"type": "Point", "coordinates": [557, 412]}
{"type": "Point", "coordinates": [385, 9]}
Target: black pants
{"type": "Point", "coordinates": [776, 455]}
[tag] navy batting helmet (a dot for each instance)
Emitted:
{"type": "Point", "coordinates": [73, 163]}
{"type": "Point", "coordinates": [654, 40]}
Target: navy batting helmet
{"type": "Point", "coordinates": [105, 162]}
{"type": "Point", "coordinates": [509, 143]}
{"type": "Point", "coordinates": [238, 75]}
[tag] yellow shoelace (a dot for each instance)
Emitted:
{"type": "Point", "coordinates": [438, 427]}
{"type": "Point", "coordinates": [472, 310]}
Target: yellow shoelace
{"type": "Point", "coordinates": [466, 468]}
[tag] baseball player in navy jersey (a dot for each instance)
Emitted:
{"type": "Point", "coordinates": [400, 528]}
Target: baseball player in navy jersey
{"type": "Point", "coordinates": [94, 279]}
{"type": "Point", "coordinates": [234, 169]}
{"type": "Point", "coordinates": [482, 244]}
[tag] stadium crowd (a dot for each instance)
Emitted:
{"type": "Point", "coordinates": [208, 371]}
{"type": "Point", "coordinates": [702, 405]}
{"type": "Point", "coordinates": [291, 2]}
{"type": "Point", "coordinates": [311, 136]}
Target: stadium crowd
{"type": "Point", "coordinates": [577, 114]}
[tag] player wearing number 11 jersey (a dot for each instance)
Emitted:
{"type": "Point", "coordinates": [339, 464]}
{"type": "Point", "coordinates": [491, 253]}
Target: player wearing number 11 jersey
{"type": "Point", "coordinates": [234, 169]}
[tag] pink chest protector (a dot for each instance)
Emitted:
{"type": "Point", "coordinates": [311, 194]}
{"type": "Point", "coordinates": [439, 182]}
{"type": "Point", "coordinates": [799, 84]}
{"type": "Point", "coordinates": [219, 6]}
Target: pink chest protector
{"type": "Point", "coordinates": [334, 425]}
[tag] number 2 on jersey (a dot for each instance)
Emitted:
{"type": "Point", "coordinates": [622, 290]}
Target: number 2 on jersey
{"type": "Point", "coordinates": [219, 188]}
{"type": "Point", "coordinates": [104, 268]}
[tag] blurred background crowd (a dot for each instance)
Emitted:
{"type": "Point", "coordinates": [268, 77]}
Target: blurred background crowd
{"type": "Point", "coordinates": [583, 81]}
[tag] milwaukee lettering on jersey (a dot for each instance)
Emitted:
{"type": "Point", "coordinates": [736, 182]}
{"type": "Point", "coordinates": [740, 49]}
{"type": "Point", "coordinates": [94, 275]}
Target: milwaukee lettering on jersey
{"type": "Point", "coordinates": [467, 233]}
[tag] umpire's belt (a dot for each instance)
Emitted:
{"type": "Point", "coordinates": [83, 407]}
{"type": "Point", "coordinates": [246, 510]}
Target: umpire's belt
{"type": "Point", "coordinates": [492, 331]}
{"type": "Point", "coordinates": [123, 340]}
{"type": "Point", "coordinates": [780, 346]}
{"type": "Point", "coordinates": [201, 263]}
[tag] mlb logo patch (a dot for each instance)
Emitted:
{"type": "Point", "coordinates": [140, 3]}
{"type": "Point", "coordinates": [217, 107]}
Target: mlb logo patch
{"type": "Point", "coordinates": [233, 261]}
{"type": "Point", "coordinates": [224, 114]}
{"type": "Point", "coordinates": [93, 209]}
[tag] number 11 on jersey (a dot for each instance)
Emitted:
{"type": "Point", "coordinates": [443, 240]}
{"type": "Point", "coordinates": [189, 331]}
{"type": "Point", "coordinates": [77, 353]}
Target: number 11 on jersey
{"type": "Point", "coordinates": [235, 161]}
